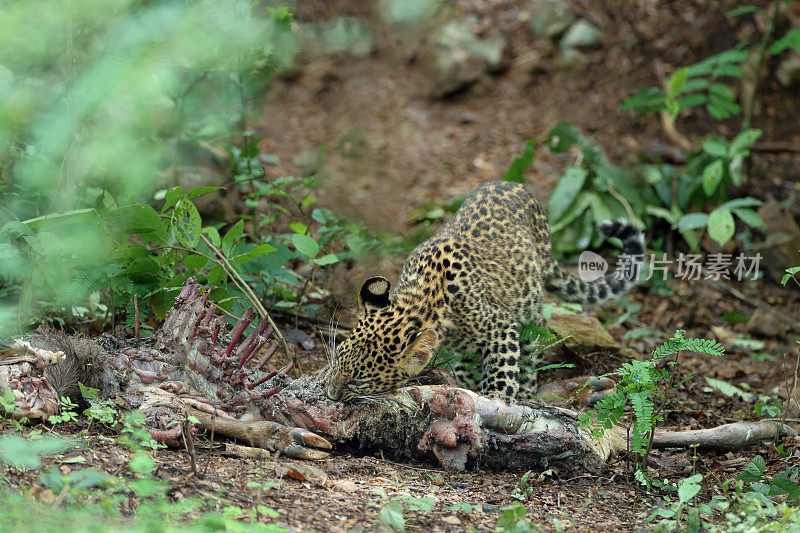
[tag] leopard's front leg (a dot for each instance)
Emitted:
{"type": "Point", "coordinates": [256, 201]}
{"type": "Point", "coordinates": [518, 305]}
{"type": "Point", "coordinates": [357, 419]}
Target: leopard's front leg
{"type": "Point", "coordinates": [500, 353]}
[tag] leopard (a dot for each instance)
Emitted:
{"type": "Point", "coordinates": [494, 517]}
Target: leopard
{"type": "Point", "coordinates": [468, 289]}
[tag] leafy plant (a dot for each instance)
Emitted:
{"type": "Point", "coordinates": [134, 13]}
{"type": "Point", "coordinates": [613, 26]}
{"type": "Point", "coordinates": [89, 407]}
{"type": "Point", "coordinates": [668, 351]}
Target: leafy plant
{"type": "Point", "coordinates": [99, 410]}
{"type": "Point", "coordinates": [134, 434]}
{"type": "Point", "coordinates": [645, 386]}
{"type": "Point", "coordinates": [785, 482]}
{"type": "Point", "coordinates": [681, 514]}
{"type": "Point", "coordinates": [391, 513]}
{"type": "Point", "coordinates": [593, 190]}
{"type": "Point", "coordinates": [791, 273]}
{"type": "Point", "coordinates": [743, 506]}
{"type": "Point", "coordinates": [512, 519]}
{"type": "Point", "coordinates": [695, 85]}
{"type": "Point", "coordinates": [9, 408]}
{"type": "Point", "coordinates": [318, 240]}
{"type": "Point", "coordinates": [20, 452]}
{"type": "Point", "coordinates": [66, 412]}
{"type": "Point", "coordinates": [70, 118]}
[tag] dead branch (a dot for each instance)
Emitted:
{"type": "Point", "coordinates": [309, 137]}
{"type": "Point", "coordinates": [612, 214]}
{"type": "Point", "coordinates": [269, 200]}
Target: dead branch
{"type": "Point", "coordinates": [733, 436]}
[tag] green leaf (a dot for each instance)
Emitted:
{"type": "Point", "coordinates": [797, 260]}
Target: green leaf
{"type": "Point", "coordinates": [172, 197]}
{"type": "Point", "coordinates": [197, 191]}
{"type": "Point", "coordinates": [600, 211]}
{"type": "Point", "coordinates": [562, 137]}
{"type": "Point", "coordinates": [743, 141]}
{"type": "Point", "coordinates": [186, 223]}
{"type": "Point", "coordinates": [392, 516]}
{"type": "Point", "coordinates": [23, 453]}
{"type": "Point", "coordinates": [86, 479]}
{"type": "Point", "coordinates": [565, 191]}
{"type": "Point", "coordinates": [576, 210]}
{"type": "Point", "coordinates": [691, 238]}
{"type": "Point", "coordinates": [716, 147]}
{"type": "Point", "coordinates": [231, 238]}
{"type": "Point", "coordinates": [754, 470]}
{"type": "Point", "coordinates": [678, 80]}
{"type": "Point", "coordinates": [721, 106]}
{"type": "Point", "coordinates": [660, 212]}
{"type": "Point", "coordinates": [735, 168]}
{"type": "Point", "coordinates": [712, 176]}
{"type": "Point", "coordinates": [647, 100]}
{"type": "Point", "coordinates": [141, 463]}
{"type": "Point", "coordinates": [721, 226]}
{"type": "Point", "coordinates": [692, 221]}
{"type": "Point", "coordinates": [512, 514]}
{"type": "Point", "coordinates": [783, 485]}
{"type": "Point", "coordinates": [741, 10]}
{"type": "Point", "coordinates": [516, 172]}
{"type": "Point", "coordinates": [141, 218]}
{"type": "Point", "coordinates": [749, 217]}
{"type": "Point", "coordinates": [729, 390]}
{"type": "Point", "coordinates": [213, 235]}
{"type": "Point", "coordinates": [790, 40]}
{"type": "Point", "coordinates": [216, 275]}
{"type": "Point", "coordinates": [306, 245]}
{"type": "Point", "coordinates": [741, 202]}
{"type": "Point", "coordinates": [258, 251]}
{"type": "Point", "coordinates": [87, 215]}
{"type": "Point", "coordinates": [328, 259]}
{"type": "Point", "coordinates": [299, 227]}
{"type": "Point", "coordinates": [15, 230]}
{"type": "Point", "coordinates": [691, 100]}
{"type": "Point", "coordinates": [195, 262]}
{"type": "Point", "coordinates": [689, 487]}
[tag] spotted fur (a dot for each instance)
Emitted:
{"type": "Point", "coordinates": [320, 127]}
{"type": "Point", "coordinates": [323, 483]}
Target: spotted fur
{"type": "Point", "coordinates": [467, 288]}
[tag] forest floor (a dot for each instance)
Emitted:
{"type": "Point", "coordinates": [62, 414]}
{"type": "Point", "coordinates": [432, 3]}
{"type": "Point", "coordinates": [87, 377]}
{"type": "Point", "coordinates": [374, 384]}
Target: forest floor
{"type": "Point", "coordinates": [420, 149]}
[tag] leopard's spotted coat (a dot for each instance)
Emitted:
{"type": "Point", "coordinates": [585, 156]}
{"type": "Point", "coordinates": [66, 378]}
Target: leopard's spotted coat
{"type": "Point", "coordinates": [468, 288]}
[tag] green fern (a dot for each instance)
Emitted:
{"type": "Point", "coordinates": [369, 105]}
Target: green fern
{"type": "Point", "coordinates": [86, 282]}
{"type": "Point", "coordinates": [678, 343]}
{"type": "Point", "coordinates": [645, 386]}
{"type": "Point", "coordinates": [643, 408]}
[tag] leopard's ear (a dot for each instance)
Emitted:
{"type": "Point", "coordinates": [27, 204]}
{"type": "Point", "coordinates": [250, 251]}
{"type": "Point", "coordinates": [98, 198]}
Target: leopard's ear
{"type": "Point", "coordinates": [417, 354]}
{"type": "Point", "coordinates": [374, 293]}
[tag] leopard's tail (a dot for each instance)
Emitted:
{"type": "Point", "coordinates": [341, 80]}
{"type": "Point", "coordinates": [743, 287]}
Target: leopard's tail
{"type": "Point", "coordinates": [571, 288]}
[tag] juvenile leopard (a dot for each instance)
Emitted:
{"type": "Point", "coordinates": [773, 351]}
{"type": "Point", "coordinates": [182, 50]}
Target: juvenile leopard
{"type": "Point", "coordinates": [468, 288]}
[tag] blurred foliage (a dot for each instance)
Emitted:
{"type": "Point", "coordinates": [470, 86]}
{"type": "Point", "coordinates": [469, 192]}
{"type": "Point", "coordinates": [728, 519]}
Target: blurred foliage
{"type": "Point", "coordinates": [97, 98]}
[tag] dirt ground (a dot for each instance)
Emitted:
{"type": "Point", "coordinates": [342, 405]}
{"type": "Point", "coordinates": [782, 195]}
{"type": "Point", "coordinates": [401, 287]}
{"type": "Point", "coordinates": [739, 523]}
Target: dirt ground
{"type": "Point", "coordinates": [418, 149]}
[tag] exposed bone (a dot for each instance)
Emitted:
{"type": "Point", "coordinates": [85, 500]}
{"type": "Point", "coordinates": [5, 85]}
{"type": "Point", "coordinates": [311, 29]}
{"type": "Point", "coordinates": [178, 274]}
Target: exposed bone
{"type": "Point", "coordinates": [725, 437]}
{"type": "Point", "coordinates": [246, 452]}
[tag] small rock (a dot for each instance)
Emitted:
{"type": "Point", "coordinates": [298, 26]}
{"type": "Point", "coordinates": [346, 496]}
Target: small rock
{"type": "Point", "coordinates": [788, 71]}
{"type": "Point", "coordinates": [766, 324]}
{"type": "Point", "coordinates": [345, 485]}
{"type": "Point", "coordinates": [459, 58]}
{"type": "Point", "coordinates": [298, 336]}
{"type": "Point", "coordinates": [405, 12]}
{"type": "Point", "coordinates": [570, 58]}
{"type": "Point", "coordinates": [348, 34]}
{"type": "Point", "coordinates": [451, 520]}
{"type": "Point", "coordinates": [343, 35]}
{"type": "Point", "coordinates": [582, 34]}
{"type": "Point", "coordinates": [586, 334]}
{"type": "Point", "coordinates": [550, 18]}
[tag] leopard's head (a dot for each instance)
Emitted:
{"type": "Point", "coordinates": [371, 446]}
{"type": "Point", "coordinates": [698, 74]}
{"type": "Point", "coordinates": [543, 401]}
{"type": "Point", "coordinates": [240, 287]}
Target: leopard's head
{"type": "Point", "coordinates": [386, 348]}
